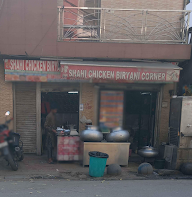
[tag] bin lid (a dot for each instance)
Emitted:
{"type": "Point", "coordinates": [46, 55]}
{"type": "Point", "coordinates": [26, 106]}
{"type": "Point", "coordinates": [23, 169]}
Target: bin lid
{"type": "Point", "coordinates": [98, 154]}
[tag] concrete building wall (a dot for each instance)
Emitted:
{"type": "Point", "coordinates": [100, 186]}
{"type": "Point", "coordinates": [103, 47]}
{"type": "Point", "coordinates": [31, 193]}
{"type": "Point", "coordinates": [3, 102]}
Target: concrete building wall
{"type": "Point", "coordinates": [87, 98]}
{"type": "Point", "coordinates": [164, 118]}
{"type": "Point", "coordinates": [6, 95]}
{"type": "Point", "coordinates": [146, 4]}
{"type": "Point", "coordinates": [131, 25]}
{"type": "Point", "coordinates": [30, 27]}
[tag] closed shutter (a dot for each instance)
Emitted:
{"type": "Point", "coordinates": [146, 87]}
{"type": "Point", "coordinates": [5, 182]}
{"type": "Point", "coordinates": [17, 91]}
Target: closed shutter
{"type": "Point", "coordinates": [25, 101]}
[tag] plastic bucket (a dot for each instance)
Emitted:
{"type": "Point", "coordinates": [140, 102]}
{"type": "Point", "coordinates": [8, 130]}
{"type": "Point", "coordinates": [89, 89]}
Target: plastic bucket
{"type": "Point", "coordinates": [97, 163]}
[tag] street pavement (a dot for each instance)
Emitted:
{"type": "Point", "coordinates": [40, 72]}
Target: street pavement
{"type": "Point", "coordinates": [37, 166]}
{"type": "Point", "coordinates": [129, 188]}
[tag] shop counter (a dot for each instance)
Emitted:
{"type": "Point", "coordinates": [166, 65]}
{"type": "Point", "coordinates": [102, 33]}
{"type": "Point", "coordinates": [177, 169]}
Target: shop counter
{"type": "Point", "coordinates": [118, 152]}
{"type": "Point", "coordinates": [68, 148]}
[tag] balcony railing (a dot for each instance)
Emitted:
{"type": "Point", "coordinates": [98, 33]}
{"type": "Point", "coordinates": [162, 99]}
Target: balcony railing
{"type": "Point", "coordinates": [123, 25]}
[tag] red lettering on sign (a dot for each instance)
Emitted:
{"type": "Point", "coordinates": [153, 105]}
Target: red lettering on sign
{"type": "Point", "coordinates": [48, 71]}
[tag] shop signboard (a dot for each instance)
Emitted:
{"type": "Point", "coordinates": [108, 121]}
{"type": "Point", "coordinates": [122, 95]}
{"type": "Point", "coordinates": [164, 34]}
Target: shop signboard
{"type": "Point", "coordinates": [31, 70]}
{"type": "Point", "coordinates": [117, 74]}
{"type": "Point", "coordinates": [48, 71]}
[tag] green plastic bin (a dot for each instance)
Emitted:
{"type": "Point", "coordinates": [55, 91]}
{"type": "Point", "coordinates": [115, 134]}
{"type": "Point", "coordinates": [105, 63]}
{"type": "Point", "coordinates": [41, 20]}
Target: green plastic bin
{"type": "Point", "coordinates": [97, 163]}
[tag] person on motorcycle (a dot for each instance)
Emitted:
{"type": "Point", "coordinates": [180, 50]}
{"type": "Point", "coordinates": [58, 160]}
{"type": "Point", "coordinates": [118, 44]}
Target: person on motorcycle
{"type": "Point", "coordinates": [50, 128]}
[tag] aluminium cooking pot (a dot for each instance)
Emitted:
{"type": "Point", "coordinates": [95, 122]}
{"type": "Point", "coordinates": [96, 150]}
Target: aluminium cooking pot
{"type": "Point", "coordinates": [148, 152]}
{"type": "Point", "coordinates": [118, 135]}
{"type": "Point", "coordinates": [91, 134]}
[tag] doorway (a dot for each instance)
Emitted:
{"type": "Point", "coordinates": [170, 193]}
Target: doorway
{"type": "Point", "coordinates": [133, 111]}
{"type": "Point", "coordinates": [68, 110]}
{"type": "Point", "coordinates": [139, 117]}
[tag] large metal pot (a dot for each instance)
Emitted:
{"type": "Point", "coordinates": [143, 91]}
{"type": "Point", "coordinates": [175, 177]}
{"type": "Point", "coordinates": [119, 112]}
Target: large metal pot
{"type": "Point", "coordinates": [148, 152]}
{"type": "Point", "coordinates": [118, 135]}
{"type": "Point", "coordinates": [91, 134]}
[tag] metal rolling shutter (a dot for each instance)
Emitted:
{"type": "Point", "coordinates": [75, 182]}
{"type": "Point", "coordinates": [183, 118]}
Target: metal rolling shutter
{"type": "Point", "coordinates": [25, 106]}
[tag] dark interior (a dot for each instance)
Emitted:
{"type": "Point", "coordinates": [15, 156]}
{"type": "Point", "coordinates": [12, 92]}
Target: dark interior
{"type": "Point", "coordinates": [68, 108]}
{"type": "Point", "coordinates": [139, 117]}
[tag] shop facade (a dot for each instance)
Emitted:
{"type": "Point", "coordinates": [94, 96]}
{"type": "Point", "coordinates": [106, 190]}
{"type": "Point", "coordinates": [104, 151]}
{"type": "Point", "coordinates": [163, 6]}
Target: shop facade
{"type": "Point", "coordinates": [132, 95]}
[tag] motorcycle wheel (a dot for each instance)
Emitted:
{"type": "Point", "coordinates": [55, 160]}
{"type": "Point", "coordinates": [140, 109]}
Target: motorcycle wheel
{"type": "Point", "coordinates": [12, 162]}
{"type": "Point", "coordinates": [21, 158]}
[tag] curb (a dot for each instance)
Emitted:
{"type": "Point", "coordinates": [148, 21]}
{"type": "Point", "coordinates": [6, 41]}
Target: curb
{"type": "Point", "coordinates": [88, 178]}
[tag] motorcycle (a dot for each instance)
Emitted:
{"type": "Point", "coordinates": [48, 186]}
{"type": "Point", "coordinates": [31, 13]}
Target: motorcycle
{"type": "Point", "coordinates": [11, 147]}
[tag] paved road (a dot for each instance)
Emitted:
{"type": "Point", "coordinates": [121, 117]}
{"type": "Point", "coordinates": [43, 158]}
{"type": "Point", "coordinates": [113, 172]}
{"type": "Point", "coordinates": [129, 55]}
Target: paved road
{"type": "Point", "coordinates": [135, 188]}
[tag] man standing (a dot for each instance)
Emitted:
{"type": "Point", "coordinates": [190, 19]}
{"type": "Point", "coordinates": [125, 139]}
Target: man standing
{"type": "Point", "coordinates": [50, 128]}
